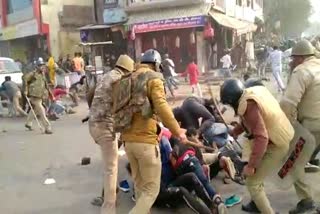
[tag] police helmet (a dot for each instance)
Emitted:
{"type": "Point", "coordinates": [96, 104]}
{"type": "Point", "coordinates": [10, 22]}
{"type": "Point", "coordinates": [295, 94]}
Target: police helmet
{"type": "Point", "coordinates": [303, 48]}
{"type": "Point", "coordinates": [151, 56]}
{"type": "Point", "coordinates": [231, 91]}
{"type": "Point", "coordinates": [125, 62]}
{"type": "Point", "coordinates": [40, 61]}
{"type": "Point", "coordinates": [251, 82]}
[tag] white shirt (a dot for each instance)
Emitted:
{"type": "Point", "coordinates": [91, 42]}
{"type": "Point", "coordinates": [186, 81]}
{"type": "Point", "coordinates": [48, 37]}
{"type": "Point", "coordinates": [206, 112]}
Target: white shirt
{"type": "Point", "coordinates": [171, 67]}
{"type": "Point", "coordinates": [226, 60]}
{"type": "Point", "coordinates": [275, 58]}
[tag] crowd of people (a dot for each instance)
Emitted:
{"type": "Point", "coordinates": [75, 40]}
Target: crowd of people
{"type": "Point", "coordinates": [174, 153]}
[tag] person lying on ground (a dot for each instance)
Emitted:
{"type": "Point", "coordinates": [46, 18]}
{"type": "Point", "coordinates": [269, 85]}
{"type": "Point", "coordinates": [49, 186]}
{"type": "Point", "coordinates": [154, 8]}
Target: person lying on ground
{"type": "Point", "coordinates": [183, 160]}
{"type": "Point", "coordinates": [57, 106]}
{"type": "Point", "coordinates": [214, 134]}
{"type": "Point", "coordinates": [225, 159]}
{"type": "Point", "coordinates": [175, 189]}
{"type": "Point", "coordinates": [192, 109]}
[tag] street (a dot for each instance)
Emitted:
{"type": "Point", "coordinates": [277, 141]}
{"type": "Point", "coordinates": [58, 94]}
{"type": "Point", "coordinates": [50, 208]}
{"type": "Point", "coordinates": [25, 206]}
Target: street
{"type": "Point", "coordinates": [27, 159]}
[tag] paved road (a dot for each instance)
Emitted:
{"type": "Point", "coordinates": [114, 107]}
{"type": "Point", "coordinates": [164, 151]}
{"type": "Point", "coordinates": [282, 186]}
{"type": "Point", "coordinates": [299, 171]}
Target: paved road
{"type": "Point", "coordinates": [28, 158]}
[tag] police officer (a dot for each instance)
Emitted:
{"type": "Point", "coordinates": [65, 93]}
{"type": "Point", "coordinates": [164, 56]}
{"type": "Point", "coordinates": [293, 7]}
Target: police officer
{"type": "Point", "coordinates": [270, 131]}
{"type": "Point", "coordinates": [37, 89]}
{"type": "Point", "coordinates": [102, 131]}
{"type": "Point", "coordinates": [301, 104]}
{"type": "Point", "coordinates": [137, 100]}
{"type": "Point", "coordinates": [296, 174]}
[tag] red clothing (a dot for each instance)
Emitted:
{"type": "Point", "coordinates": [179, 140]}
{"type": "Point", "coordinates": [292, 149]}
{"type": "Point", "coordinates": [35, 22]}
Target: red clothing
{"type": "Point", "coordinates": [254, 123]}
{"type": "Point", "coordinates": [193, 72]}
{"type": "Point", "coordinates": [58, 92]}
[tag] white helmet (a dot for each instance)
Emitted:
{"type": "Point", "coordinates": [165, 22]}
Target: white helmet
{"type": "Point", "coordinates": [40, 61]}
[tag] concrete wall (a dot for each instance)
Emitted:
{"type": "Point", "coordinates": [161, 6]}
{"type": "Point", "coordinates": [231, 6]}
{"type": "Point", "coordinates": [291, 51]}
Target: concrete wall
{"type": "Point", "coordinates": [50, 16]}
{"type": "Point", "coordinates": [61, 40]}
{"type": "Point", "coordinates": [69, 42]}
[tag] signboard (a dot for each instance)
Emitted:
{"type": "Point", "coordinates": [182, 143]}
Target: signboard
{"type": "Point", "coordinates": [114, 16]}
{"type": "Point", "coordinates": [168, 24]}
{"type": "Point", "coordinates": [28, 28]}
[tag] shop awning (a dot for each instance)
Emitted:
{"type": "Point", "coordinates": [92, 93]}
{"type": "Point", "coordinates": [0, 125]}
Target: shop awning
{"type": "Point", "coordinates": [240, 26]}
{"type": "Point", "coordinates": [94, 27]}
{"type": "Point", "coordinates": [95, 43]}
{"type": "Point", "coordinates": [168, 13]}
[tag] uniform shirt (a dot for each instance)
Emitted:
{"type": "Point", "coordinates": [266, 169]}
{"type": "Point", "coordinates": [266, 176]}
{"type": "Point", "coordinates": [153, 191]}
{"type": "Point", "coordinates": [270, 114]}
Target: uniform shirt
{"type": "Point", "coordinates": [254, 123]}
{"type": "Point", "coordinates": [303, 95]}
{"type": "Point", "coordinates": [101, 107]}
{"type": "Point", "coordinates": [11, 88]}
{"type": "Point", "coordinates": [144, 130]}
{"type": "Point", "coordinates": [226, 61]}
{"type": "Point", "coordinates": [35, 85]}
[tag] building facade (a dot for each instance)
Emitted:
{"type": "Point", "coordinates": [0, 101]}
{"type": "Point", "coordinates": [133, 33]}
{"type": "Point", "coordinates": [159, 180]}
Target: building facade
{"type": "Point", "coordinates": [64, 17]}
{"type": "Point", "coordinates": [191, 29]}
{"type": "Point", "coordinates": [22, 32]}
{"type": "Point", "coordinates": [37, 28]}
{"type": "Point", "coordinates": [106, 39]}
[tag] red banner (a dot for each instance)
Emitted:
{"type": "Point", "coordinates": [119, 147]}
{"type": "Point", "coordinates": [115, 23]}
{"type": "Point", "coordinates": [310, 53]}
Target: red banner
{"type": "Point", "coordinates": [168, 24]}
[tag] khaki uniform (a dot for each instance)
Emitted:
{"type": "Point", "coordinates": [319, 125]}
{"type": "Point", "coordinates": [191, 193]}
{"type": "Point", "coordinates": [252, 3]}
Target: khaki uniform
{"type": "Point", "coordinates": [141, 140]}
{"type": "Point", "coordinates": [302, 98]}
{"type": "Point", "coordinates": [296, 175]}
{"type": "Point", "coordinates": [280, 133]}
{"type": "Point", "coordinates": [101, 130]}
{"type": "Point", "coordinates": [35, 86]}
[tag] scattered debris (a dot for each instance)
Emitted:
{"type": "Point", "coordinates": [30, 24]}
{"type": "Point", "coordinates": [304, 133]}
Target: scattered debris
{"type": "Point", "coordinates": [85, 161]}
{"type": "Point", "coordinates": [49, 181]}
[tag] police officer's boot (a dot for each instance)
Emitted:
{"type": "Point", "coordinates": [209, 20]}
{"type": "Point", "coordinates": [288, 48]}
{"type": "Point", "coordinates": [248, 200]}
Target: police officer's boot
{"type": "Point", "coordinates": [251, 207]}
{"type": "Point", "coordinates": [48, 132]}
{"type": "Point", "coordinates": [303, 206]}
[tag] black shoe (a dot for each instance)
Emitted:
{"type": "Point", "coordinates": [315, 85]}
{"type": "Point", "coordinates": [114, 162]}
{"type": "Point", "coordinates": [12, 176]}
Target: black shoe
{"type": "Point", "coordinates": [251, 207]}
{"type": "Point", "coordinates": [48, 132]}
{"type": "Point", "coordinates": [303, 206]}
{"type": "Point", "coordinates": [28, 127]}
{"type": "Point", "coordinates": [98, 201]}
{"type": "Point", "coordinates": [315, 162]}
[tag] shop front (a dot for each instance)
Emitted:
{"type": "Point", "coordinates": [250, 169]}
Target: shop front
{"type": "Point", "coordinates": [176, 37]}
{"type": "Point", "coordinates": [177, 32]}
{"type": "Point", "coordinates": [103, 44]}
{"type": "Point", "coordinates": [230, 34]}
{"type": "Point", "coordinates": [25, 40]}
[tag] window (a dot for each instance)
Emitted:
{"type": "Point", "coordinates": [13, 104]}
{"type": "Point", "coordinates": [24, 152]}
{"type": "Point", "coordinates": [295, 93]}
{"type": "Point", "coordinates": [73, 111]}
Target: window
{"type": "Point", "coordinates": [16, 5]}
{"type": "Point", "coordinates": [8, 66]}
{"type": "Point", "coordinates": [9, 7]}
{"type": "Point", "coordinates": [110, 3]}
{"type": "Point", "coordinates": [239, 2]}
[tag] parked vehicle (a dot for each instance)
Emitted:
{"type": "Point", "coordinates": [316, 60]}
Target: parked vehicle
{"type": "Point", "coordinates": [8, 67]}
